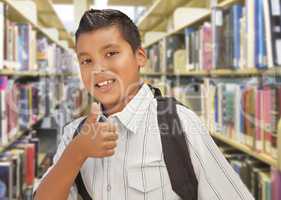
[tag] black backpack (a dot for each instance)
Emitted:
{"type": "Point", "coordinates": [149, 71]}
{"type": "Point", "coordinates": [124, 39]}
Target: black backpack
{"type": "Point", "coordinates": [175, 150]}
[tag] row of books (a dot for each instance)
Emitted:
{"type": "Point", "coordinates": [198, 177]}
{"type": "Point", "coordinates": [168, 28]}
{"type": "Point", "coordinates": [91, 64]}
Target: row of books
{"type": "Point", "coordinates": [237, 37]}
{"type": "Point", "coordinates": [23, 49]}
{"type": "Point", "coordinates": [240, 110]}
{"type": "Point", "coordinates": [51, 58]}
{"type": "Point", "coordinates": [247, 36]}
{"type": "Point", "coordinates": [261, 180]}
{"type": "Point", "coordinates": [18, 168]}
{"type": "Point", "coordinates": [220, 107]}
{"type": "Point", "coordinates": [248, 114]}
{"type": "Point", "coordinates": [19, 46]}
{"type": "Point", "coordinates": [22, 103]}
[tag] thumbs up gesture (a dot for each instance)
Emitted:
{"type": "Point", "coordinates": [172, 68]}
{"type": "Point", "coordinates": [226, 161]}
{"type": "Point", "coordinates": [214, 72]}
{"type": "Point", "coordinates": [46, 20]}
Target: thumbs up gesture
{"type": "Point", "coordinates": [97, 139]}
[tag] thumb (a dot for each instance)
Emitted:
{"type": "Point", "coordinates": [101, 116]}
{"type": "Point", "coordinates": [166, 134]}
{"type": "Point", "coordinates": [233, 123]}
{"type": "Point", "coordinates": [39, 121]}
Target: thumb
{"type": "Point", "coordinates": [95, 111]}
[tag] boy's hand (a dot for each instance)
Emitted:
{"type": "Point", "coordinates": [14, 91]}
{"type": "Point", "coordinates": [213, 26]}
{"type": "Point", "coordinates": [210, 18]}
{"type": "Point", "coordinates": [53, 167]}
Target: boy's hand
{"type": "Point", "coordinates": [96, 139]}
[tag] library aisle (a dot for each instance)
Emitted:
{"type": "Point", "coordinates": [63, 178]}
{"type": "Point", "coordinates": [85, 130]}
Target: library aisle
{"type": "Point", "coordinates": [220, 58]}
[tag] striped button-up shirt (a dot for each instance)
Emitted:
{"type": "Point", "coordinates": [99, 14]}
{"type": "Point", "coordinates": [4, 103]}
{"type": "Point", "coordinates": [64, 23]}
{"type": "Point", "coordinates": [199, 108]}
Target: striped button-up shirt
{"type": "Point", "coordinates": [137, 170]}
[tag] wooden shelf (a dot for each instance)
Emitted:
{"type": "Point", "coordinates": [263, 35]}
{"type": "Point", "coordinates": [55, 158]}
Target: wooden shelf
{"type": "Point", "coordinates": [206, 17]}
{"type": "Point", "coordinates": [6, 72]}
{"type": "Point", "coordinates": [159, 10]}
{"type": "Point", "coordinates": [227, 3]}
{"type": "Point", "coordinates": [18, 135]}
{"type": "Point", "coordinates": [260, 156]}
{"type": "Point", "coordinates": [153, 42]}
{"type": "Point", "coordinates": [220, 73]}
{"type": "Point", "coordinates": [273, 72]}
{"type": "Point", "coordinates": [190, 73]}
{"type": "Point", "coordinates": [200, 20]}
{"type": "Point", "coordinates": [15, 14]}
{"type": "Point", "coordinates": [129, 2]}
{"type": "Point", "coordinates": [236, 73]}
{"type": "Point", "coordinates": [49, 18]}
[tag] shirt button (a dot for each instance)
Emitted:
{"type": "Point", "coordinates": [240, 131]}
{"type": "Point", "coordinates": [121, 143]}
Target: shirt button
{"type": "Point", "coordinates": [108, 187]}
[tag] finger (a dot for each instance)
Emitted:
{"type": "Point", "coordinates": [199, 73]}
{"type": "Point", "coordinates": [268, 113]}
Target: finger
{"type": "Point", "coordinates": [107, 126]}
{"type": "Point", "coordinates": [95, 112]}
{"type": "Point", "coordinates": [110, 152]}
{"type": "Point", "coordinates": [110, 136]}
{"type": "Point", "coordinates": [110, 145]}
{"type": "Point", "coordinates": [86, 128]}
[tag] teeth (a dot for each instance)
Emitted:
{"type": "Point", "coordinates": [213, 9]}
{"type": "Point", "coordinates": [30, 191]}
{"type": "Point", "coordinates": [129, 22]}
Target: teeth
{"type": "Point", "coordinates": [105, 83]}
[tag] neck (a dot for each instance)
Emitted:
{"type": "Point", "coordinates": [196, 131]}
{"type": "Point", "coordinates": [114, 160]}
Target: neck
{"type": "Point", "coordinates": [111, 109]}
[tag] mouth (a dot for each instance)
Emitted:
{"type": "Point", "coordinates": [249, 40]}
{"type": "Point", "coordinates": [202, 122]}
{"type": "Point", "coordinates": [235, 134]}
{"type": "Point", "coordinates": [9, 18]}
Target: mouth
{"type": "Point", "coordinates": [105, 85]}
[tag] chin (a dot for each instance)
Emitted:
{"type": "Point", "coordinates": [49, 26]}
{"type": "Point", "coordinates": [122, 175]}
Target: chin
{"type": "Point", "coordinates": [108, 99]}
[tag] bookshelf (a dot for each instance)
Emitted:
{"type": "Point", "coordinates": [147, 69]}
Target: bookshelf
{"type": "Point", "coordinates": [260, 156]}
{"type": "Point", "coordinates": [235, 73]}
{"type": "Point", "coordinates": [38, 73]}
{"type": "Point", "coordinates": [206, 17]}
{"type": "Point", "coordinates": [7, 72]}
{"type": "Point", "coordinates": [15, 13]}
{"type": "Point", "coordinates": [157, 13]}
{"type": "Point", "coordinates": [49, 18]}
{"type": "Point", "coordinates": [128, 2]}
{"type": "Point", "coordinates": [238, 99]}
{"type": "Point", "coordinates": [219, 73]}
{"type": "Point", "coordinates": [18, 135]}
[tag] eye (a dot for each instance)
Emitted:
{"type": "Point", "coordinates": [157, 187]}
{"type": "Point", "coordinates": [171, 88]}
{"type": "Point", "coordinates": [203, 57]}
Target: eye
{"type": "Point", "coordinates": [86, 61]}
{"type": "Point", "coordinates": [112, 53]}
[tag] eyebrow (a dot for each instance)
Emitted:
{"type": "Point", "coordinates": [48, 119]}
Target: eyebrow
{"type": "Point", "coordinates": [82, 54]}
{"type": "Point", "coordinates": [109, 46]}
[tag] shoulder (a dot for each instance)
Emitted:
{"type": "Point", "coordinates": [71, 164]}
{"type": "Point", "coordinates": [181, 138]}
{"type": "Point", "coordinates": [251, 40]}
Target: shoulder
{"type": "Point", "coordinates": [191, 122]}
{"type": "Point", "coordinates": [70, 127]}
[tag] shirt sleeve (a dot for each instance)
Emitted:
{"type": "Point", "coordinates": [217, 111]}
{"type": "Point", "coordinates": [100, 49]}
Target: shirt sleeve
{"type": "Point", "coordinates": [216, 178]}
{"type": "Point", "coordinates": [68, 131]}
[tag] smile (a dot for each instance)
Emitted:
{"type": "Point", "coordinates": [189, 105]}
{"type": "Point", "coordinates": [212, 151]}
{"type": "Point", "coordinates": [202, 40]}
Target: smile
{"type": "Point", "coordinates": [105, 83]}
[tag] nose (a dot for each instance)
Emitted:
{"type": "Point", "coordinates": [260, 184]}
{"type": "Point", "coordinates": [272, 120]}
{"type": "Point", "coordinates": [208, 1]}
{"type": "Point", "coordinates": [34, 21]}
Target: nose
{"type": "Point", "coordinates": [98, 68]}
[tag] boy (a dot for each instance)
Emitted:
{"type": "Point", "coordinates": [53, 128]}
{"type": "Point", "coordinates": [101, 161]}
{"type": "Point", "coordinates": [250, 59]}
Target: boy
{"type": "Point", "coordinates": [122, 158]}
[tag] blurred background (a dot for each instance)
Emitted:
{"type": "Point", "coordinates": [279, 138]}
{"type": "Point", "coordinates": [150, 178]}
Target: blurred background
{"type": "Point", "coordinates": [221, 58]}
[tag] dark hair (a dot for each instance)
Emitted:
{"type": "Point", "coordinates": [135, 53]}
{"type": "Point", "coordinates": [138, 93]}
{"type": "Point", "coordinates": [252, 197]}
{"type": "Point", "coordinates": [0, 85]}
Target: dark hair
{"type": "Point", "coordinates": [94, 19]}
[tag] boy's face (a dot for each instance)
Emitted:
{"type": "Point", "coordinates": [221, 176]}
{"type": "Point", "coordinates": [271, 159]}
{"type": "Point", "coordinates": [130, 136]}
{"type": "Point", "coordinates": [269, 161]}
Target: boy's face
{"type": "Point", "coordinates": [108, 65]}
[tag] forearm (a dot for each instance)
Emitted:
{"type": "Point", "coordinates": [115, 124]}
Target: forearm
{"type": "Point", "coordinates": [57, 184]}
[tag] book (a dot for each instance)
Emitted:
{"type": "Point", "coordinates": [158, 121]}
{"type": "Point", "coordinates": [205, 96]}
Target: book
{"type": "Point", "coordinates": [264, 186]}
{"type": "Point", "coordinates": [217, 25]}
{"type": "Point", "coordinates": [23, 49]}
{"type": "Point", "coordinates": [173, 43]}
{"type": "Point", "coordinates": [6, 180]}
{"type": "Point", "coordinates": [179, 61]}
{"type": "Point", "coordinates": [11, 101]}
{"type": "Point", "coordinates": [275, 28]}
{"type": "Point", "coordinates": [3, 124]}
{"type": "Point", "coordinates": [187, 33]}
{"type": "Point", "coordinates": [268, 33]}
{"type": "Point", "coordinates": [276, 184]}
{"type": "Point", "coordinates": [250, 33]}
{"type": "Point", "coordinates": [206, 43]}
{"type": "Point", "coordinates": [260, 54]}
{"type": "Point", "coordinates": [2, 30]}
{"type": "Point", "coordinates": [257, 176]}
{"type": "Point", "coordinates": [237, 13]}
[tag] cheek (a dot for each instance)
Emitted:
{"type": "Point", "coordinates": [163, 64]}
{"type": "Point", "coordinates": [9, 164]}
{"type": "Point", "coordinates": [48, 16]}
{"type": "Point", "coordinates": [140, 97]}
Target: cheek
{"type": "Point", "coordinates": [87, 79]}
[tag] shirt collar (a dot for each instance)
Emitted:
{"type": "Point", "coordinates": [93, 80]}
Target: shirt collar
{"type": "Point", "coordinates": [136, 108]}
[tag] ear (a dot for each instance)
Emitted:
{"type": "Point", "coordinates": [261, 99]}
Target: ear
{"type": "Point", "coordinates": [141, 57]}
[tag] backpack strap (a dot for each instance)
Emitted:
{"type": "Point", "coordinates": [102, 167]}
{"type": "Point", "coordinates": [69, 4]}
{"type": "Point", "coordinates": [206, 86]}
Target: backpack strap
{"type": "Point", "coordinates": [175, 148]}
{"type": "Point", "coordinates": [82, 191]}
